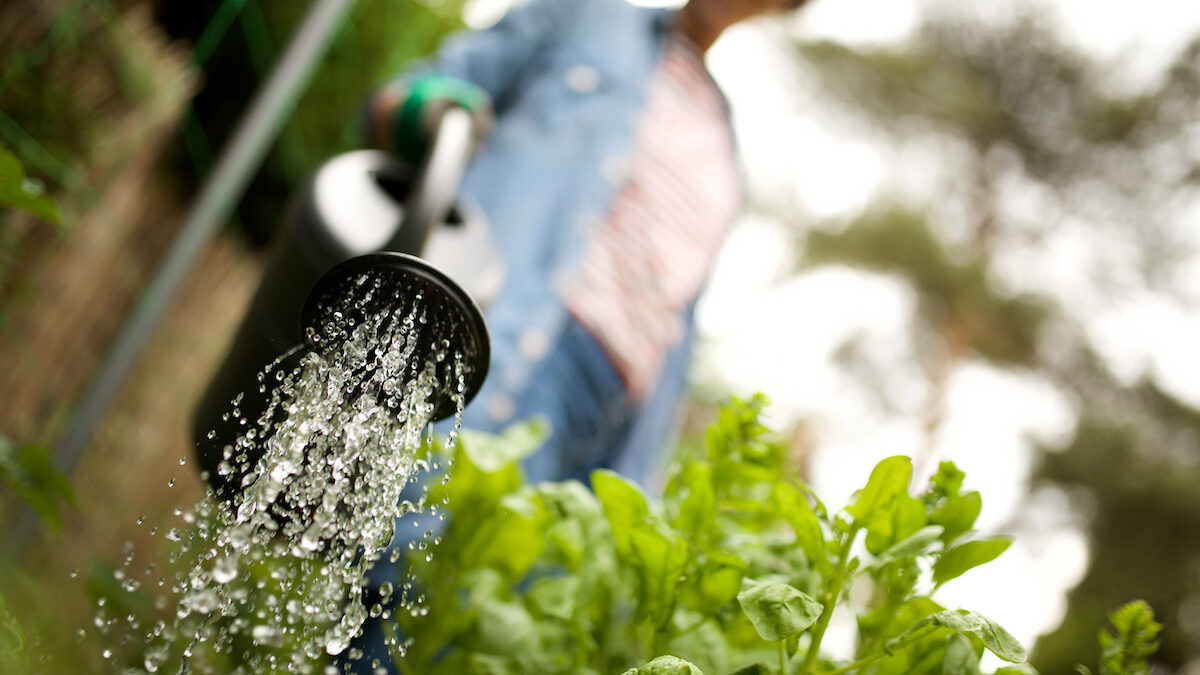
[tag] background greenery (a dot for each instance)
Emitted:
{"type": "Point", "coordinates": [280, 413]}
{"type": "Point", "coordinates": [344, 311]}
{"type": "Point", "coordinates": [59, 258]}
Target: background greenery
{"type": "Point", "coordinates": [997, 103]}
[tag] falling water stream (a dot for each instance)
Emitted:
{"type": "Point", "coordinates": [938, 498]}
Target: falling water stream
{"type": "Point", "coordinates": [275, 578]}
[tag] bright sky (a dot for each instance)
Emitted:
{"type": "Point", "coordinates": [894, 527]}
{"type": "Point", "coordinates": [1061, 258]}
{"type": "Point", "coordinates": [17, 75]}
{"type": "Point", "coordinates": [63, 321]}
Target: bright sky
{"type": "Point", "coordinates": [762, 335]}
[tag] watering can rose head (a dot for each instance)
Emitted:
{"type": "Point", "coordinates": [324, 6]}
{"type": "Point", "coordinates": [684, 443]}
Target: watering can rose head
{"type": "Point", "coordinates": [439, 319]}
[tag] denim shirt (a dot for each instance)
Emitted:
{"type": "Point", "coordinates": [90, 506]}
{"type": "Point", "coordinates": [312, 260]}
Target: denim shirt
{"type": "Point", "coordinates": [567, 80]}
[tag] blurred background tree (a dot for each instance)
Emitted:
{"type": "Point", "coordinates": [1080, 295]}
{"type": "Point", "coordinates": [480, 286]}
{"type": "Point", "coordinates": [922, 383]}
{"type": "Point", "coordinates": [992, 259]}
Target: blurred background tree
{"type": "Point", "coordinates": [1026, 143]}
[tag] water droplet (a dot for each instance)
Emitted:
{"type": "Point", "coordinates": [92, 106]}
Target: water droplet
{"type": "Point", "coordinates": [225, 570]}
{"type": "Point", "coordinates": [203, 602]}
{"type": "Point", "coordinates": [264, 635]}
{"type": "Point", "coordinates": [321, 496]}
{"type": "Point", "coordinates": [154, 658]}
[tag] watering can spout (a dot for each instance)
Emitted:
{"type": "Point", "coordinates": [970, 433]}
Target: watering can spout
{"type": "Point", "coordinates": [400, 283]}
{"type": "Point", "coordinates": [388, 284]}
{"type": "Point", "coordinates": [361, 215]}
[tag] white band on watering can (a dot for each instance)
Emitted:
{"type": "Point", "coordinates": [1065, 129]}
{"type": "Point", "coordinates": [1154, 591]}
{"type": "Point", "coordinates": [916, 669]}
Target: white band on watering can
{"type": "Point", "coordinates": [356, 211]}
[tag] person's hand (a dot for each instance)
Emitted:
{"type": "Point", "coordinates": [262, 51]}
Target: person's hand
{"type": "Point", "coordinates": [405, 116]}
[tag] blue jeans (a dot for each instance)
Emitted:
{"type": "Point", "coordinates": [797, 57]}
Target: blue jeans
{"type": "Point", "coordinates": [578, 392]}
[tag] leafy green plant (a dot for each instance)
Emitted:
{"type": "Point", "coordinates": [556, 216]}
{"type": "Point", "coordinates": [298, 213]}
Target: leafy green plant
{"type": "Point", "coordinates": [29, 471]}
{"type": "Point", "coordinates": [739, 568]}
{"type": "Point", "coordinates": [1136, 639]}
{"type": "Point", "coordinates": [19, 191]}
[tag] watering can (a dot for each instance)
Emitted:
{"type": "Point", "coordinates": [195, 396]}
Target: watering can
{"type": "Point", "coordinates": [362, 212]}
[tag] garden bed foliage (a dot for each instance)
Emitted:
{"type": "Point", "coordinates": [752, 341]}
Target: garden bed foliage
{"type": "Point", "coordinates": [738, 568]}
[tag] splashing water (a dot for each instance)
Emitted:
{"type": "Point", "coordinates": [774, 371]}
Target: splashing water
{"type": "Point", "coordinates": [276, 576]}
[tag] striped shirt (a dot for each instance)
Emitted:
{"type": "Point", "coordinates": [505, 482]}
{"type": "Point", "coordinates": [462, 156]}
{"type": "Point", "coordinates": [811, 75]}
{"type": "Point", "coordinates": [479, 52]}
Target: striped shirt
{"type": "Point", "coordinates": [646, 262]}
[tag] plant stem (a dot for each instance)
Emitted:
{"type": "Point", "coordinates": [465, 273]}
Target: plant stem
{"type": "Point", "coordinates": [835, 591]}
{"type": "Point", "coordinates": [885, 651]}
{"type": "Point", "coordinates": [782, 657]}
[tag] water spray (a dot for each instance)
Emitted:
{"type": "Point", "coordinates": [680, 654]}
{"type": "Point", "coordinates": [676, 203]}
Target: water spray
{"type": "Point", "coordinates": [356, 241]}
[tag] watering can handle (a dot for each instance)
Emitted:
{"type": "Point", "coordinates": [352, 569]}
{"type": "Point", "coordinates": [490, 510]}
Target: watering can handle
{"type": "Point", "coordinates": [435, 185]}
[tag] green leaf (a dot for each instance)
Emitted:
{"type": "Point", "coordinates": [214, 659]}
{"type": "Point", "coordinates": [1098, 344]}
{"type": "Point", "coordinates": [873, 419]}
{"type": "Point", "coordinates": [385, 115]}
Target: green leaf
{"type": "Point", "coordinates": [28, 469]}
{"type": "Point", "coordinates": [743, 452]}
{"type": "Point", "coordinates": [1128, 651]}
{"type": "Point", "coordinates": [960, 658]}
{"type": "Point", "coordinates": [699, 505]}
{"type": "Point", "coordinates": [777, 610]}
{"type": "Point", "coordinates": [19, 191]}
{"type": "Point", "coordinates": [503, 628]}
{"type": "Point", "coordinates": [666, 665]}
{"type": "Point", "coordinates": [489, 664]}
{"type": "Point", "coordinates": [624, 506]}
{"type": "Point", "coordinates": [658, 556]}
{"type": "Point", "coordinates": [999, 641]}
{"type": "Point", "coordinates": [925, 656]}
{"type": "Point", "coordinates": [947, 481]}
{"type": "Point", "coordinates": [514, 539]}
{"type": "Point", "coordinates": [643, 541]}
{"type": "Point", "coordinates": [555, 596]}
{"type": "Point", "coordinates": [570, 499]}
{"type": "Point", "coordinates": [954, 562]}
{"type": "Point", "coordinates": [493, 452]}
{"type": "Point", "coordinates": [580, 538]}
{"type": "Point", "coordinates": [720, 579]}
{"type": "Point", "coordinates": [908, 516]}
{"type": "Point", "coordinates": [566, 538]}
{"type": "Point", "coordinates": [486, 467]}
{"type": "Point", "coordinates": [484, 584]}
{"type": "Point", "coordinates": [957, 515]}
{"type": "Point", "coordinates": [872, 506]}
{"type": "Point", "coordinates": [701, 641]}
{"type": "Point", "coordinates": [793, 506]}
{"type": "Point", "coordinates": [888, 621]}
{"type": "Point", "coordinates": [907, 548]}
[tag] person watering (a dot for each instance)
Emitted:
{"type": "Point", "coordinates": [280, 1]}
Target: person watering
{"type": "Point", "coordinates": [609, 178]}
{"type": "Point", "coordinates": [607, 170]}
